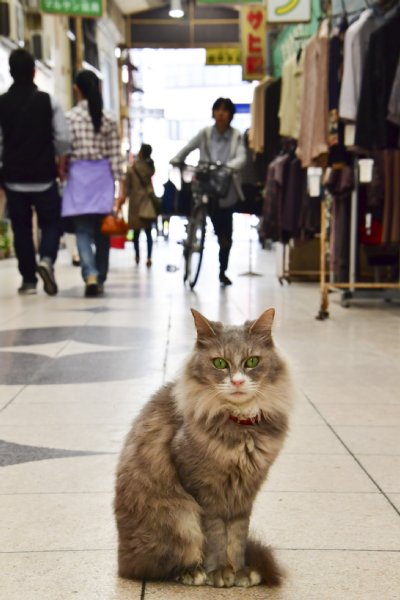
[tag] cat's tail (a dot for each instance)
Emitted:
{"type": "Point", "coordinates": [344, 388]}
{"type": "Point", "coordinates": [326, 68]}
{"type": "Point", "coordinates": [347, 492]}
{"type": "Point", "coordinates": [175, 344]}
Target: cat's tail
{"type": "Point", "coordinates": [261, 558]}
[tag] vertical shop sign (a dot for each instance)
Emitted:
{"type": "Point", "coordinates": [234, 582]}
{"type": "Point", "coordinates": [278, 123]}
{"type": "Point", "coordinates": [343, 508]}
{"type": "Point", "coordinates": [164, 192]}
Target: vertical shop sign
{"type": "Point", "coordinates": [254, 43]}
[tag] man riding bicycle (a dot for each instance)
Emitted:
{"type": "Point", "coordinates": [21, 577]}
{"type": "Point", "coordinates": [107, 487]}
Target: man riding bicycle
{"type": "Point", "coordinates": [222, 144]}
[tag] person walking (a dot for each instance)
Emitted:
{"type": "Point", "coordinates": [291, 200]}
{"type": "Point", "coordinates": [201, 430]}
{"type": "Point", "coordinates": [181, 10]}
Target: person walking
{"type": "Point", "coordinates": [222, 144]}
{"type": "Point", "coordinates": [138, 186]}
{"type": "Point", "coordinates": [33, 143]}
{"type": "Point", "coordinates": [95, 168]}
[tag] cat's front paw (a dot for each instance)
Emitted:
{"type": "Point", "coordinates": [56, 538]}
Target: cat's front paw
{"type": "Point", "coordinates": [196, 576]}
{"type": "Point", "coordinates": [247, 577]}
{"type": "Point", "coordinates": [222, 577]}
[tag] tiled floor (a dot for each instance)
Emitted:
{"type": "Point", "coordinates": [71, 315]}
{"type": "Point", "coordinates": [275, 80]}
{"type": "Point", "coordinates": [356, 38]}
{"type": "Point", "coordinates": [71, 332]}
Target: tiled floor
{"type": "Point", "coordinates": [75, 371]}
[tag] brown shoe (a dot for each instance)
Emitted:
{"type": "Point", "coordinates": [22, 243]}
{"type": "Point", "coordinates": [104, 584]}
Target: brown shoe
{"type": "Point", "coordinates": [148, 262]}
{"type": "Point", "coordinates": [91, 286]}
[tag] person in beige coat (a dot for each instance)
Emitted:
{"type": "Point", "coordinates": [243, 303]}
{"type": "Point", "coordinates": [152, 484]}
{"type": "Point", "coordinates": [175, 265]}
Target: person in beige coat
{"type": "Point", "coordinates": [138, 186]}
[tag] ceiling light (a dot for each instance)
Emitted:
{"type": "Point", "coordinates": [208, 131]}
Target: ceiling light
{"type": "Point", "coordinates": [176, 11]}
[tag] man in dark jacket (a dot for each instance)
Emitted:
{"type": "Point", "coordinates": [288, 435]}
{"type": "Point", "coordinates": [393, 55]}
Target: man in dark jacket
{"type": "Point", "coordinates": [33, 142]}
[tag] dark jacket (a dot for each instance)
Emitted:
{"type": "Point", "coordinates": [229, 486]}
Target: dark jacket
{"type": "Point", "coordinates": [373, 130]}
{"type": "Point", "coordinates": [26, 123]}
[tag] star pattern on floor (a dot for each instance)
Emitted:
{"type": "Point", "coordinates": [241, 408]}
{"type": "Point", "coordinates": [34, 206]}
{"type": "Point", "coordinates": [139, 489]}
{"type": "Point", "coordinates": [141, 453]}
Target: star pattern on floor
{"type": "Point", "coordinates": [96, 310]}
{"type": "Point", "coordinates": [109, 354]}
{"type": "Point", "coordinates": [15, 454]}
{"type": "Point", "coordinates": [108, 336]}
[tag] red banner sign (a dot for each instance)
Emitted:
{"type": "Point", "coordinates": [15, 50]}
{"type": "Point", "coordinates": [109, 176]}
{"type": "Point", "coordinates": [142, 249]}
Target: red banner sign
{"type": "Point", "coordinates": [254, 43]}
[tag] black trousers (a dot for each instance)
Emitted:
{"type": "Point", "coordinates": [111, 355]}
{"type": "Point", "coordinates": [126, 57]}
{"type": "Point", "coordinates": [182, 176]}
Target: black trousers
{"type": "Point", "coordinates": [222, 220]}
{"type": "Point", "coordinates": [149, 240]}
{"type": "Point", "coordinates": [48, 209]}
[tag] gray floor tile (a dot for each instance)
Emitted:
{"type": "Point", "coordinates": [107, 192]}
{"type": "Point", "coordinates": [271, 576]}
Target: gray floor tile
{"type": "Point", "coordinates": [311, 575]}
{"type": "Point", "coordinates": [75, 371]}
{"type": "Point", "coordinates": [82, 575]}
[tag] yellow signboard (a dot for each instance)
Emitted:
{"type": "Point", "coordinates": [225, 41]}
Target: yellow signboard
{"type": "Point", "coordinates": [223, 56]}
{"type": "Point", "coordinates": [254, 42]}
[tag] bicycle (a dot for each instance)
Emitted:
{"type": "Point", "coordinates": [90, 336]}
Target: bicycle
{"type": "Point", "coordinates": [209, 182]}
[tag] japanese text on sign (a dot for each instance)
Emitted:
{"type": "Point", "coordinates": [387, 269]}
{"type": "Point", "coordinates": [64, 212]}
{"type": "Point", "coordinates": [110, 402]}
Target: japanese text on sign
{"type": "Point", "coordinates": [223, 56]}
{"type": "Point", "coordinates": [253, 42]}
{"type": "Point", "coordinates": [79, 8]}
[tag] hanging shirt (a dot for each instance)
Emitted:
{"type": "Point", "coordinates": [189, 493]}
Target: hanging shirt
{"type": "Point", "coordinates": [289, 108]}
{"type": "Point", "coordinates": [313, 136]}
{"type": "Point", "coordinates": [257, 127]}
{"type": "Point", "coordinates": [356, 38]}
{"type": "Point", "coordinates": [373, 130]}
{"type": "Point", "coordinates": [394, 101]}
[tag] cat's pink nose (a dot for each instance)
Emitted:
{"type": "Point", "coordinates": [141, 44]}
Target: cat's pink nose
{"type": "Point", "coordinates": [237, 382]}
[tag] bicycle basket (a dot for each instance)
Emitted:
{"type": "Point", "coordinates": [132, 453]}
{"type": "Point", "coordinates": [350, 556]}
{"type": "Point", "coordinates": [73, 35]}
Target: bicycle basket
{"type": "Point", "coordinates": [220, 182]}
{"type": "Point", "coordinates": [214, 181]}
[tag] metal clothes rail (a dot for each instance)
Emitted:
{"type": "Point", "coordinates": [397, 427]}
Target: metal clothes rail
{"type": "Point", "coordinates": [354, 289]}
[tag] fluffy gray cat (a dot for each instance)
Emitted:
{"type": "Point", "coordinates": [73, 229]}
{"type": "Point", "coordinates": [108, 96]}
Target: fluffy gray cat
{"type": "Point", "coordinates": [196, 457]}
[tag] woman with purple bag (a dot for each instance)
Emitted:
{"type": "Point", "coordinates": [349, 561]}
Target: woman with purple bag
{"type": "Point", "coordinates": [95, 166]}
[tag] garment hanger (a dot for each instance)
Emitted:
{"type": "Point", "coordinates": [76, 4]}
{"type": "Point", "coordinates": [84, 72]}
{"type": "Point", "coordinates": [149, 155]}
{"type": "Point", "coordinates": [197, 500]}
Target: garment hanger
{"type": "Point", "coordinates": [384, 6]}
{"type": "Point", "coordinates": [300, 38]}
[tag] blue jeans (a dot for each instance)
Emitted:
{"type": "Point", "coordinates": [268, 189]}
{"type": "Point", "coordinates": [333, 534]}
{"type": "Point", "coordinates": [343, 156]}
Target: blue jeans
{"type": "Point", "coordinates": [48, 209]}
{"type": "Point", "coordinates": [87, 230]}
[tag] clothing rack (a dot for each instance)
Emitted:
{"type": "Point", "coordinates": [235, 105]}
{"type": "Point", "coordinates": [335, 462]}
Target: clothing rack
{"type": "Point", "coordinates": [287, 273]}
{"type": "Point", "coordinates": [352, 289]}
{"type": "Point", "coordinates": [343, 275]}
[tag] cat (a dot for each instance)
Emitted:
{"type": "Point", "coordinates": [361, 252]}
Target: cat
{"type": "Point", "coordinates": [196, 457]}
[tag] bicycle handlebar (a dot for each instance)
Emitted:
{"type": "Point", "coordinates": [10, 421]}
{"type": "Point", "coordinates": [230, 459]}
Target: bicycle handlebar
{"type": "Point", "coordinates": [202, 166]}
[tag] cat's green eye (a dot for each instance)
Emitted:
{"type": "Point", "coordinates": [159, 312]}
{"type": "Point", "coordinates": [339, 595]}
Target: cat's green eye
{"type": "Point", "coordinates": [220, 363]}
{"type": "Point", "coordinates": [252, 362]}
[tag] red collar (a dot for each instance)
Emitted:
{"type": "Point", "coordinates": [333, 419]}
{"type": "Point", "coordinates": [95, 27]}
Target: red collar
{"type": "Point", "coordinates": [249, 421]}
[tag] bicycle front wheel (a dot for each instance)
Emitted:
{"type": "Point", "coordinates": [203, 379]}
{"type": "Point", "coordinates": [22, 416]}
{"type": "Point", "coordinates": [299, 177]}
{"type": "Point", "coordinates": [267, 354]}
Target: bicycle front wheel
{"type": "Point", "coordinates": [194, 245]}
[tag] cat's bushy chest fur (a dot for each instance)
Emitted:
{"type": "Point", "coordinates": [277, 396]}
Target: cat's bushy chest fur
{"type": "Point", "coordinates": [222, 470]}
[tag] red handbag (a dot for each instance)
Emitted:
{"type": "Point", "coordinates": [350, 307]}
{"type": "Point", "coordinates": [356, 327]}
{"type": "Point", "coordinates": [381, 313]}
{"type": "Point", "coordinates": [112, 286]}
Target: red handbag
{"type": "Point", "coordinates": [114, 224]}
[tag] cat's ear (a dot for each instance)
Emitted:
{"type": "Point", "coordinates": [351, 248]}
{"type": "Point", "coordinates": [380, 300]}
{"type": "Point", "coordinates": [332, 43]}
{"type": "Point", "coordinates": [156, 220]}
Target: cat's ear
{"type": "Point", "coordinates": [263, 325]}
{"type": "Point", "coordinates": [203, 326]}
